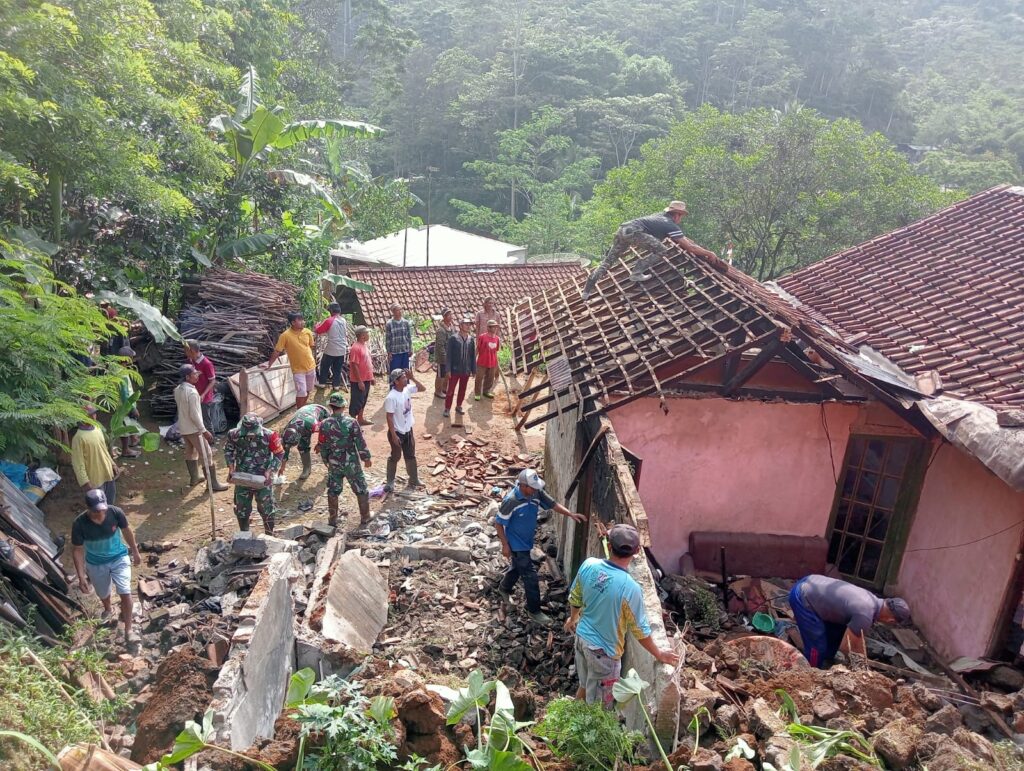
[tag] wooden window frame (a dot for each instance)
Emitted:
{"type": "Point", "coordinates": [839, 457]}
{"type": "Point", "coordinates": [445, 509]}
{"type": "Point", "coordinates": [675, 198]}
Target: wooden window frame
{"type": "Point", "coordinates": [903, 510]}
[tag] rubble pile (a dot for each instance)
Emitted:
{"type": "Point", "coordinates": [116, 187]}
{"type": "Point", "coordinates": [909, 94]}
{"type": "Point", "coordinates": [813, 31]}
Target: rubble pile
{"type": "Point", "coordinates": [915, 718]}
{"type": "Point", "coordinates": [464, 465]}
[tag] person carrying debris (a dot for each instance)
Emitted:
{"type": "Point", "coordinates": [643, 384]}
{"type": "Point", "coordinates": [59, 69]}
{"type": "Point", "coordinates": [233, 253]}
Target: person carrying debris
{"type": "Point", "coordinates": [398, 411]}
{"type": "Point", "coordinates": [487, 346]}
{"type": "Point", "coordinates": [298, 343]}
{"type": "Point", "coordinates": [606, 603]}
{"type": "Point", "coordinates": [342, 446]}
{"type": "Point", "coordinates": [360, 374]}
{"type": "Point", "coordinates": [829, 612]}
{"type": "Point", "coordinates": [299, 431]}
{"type": "Point", "coordinates": [253, 449]}
{"type": "Point", "coordinates": [193, 430]}
{"type": "Point", "coordinates": [648, 234]}
{"type": "Point", "coordinates": [103, 549]}
{"type": "Point", "coordinates": [332, 364]}
{"type": "Point", "coordinates": [461, 359]}
{"type": "Point", "coordinates": [516, 523]}
{"type": "Point", "coordinates": [444, 330]}
{"type": "Point", "coordinates": [90, 457]}
{"type": "Point", "coordinates": [398, 339]}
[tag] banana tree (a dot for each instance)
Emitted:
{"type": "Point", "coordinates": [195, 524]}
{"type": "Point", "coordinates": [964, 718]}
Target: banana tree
{"type": "Point", "coordinates": [252, 135]}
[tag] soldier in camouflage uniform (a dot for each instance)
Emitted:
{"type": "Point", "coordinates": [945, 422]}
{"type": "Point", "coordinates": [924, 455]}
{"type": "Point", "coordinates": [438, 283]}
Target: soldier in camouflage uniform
{"type": "Point", "coordinates": [299, 431]}
{"type": "Point", "coordinates": [253, 449]}
{"type": "Point", "coordinates": [648, 234]}
{"type": "Point", "coordinates": [342, 446]}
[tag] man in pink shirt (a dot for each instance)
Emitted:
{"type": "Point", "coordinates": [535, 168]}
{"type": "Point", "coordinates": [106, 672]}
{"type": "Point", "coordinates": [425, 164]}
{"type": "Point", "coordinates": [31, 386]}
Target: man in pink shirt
{"type": "Point", "coordinates": [486, 361]}
{"type": "Point", "coordinates": [360, 374]}
{"type": "Point", "coordinates": [207, 376]}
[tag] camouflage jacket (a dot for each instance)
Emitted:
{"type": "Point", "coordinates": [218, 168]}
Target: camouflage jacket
{"type": "Point", "coordinates": [341, 441]}
{"type": "Point", "coordinates": [256, 452]}
{"type": "Point", "coordinates": [303, 423]}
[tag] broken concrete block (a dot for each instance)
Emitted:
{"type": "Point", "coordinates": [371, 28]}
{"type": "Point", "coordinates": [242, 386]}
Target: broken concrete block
{"type": "Point", "coordinates": [158, 619]}
{"type": "Point", "coordinates": [277, 545]}
{"type": "Point", "coordinates": [896, 744]}
{"type": "Point", "coordinates": [975, 744]}
{"type": "Point", "coordinates": [447, 694]}
{"type": "Point", "coordinates": [727, 720]}
{"type": "Point", "coordinates": [324, 531]}
{"type": "Point", "coordinates": [209, 559]}
{"type": "Point", "coordinates": [291, 532]}
{"type": "Point", "coordinates": [825, 706]}
{"type": "Point", "coordinates": [763, 719]}
{"type": "Point", "coordinates": [704, 759]}
{"type": "Point", "coordinates": [247, 544]}
{"type": "Point", "coordinates": [927, 699]}
{"type": "Point", "coordinates": [430, 549]}
{"type": "Point", "coordinates": [945, 721]}
{"type": "Point", "coordinates": [250, 690]}
{"type": "Point", "coordinates": [998, 702]}
{"type": "Point", "coordinates": [356, 603]}
{"type": "Point", "coordinates": [781, 751]}
{"type": "Point", "coordinates": [693, 701]}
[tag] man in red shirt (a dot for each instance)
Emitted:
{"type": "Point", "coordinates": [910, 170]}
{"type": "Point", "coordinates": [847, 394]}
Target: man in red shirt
{"type": "Point", "coordinates": [487, 346]}
{"type": "Point", "coordinates": [360, 374]}
{"type": "Point", "coordinates": [207, 376]}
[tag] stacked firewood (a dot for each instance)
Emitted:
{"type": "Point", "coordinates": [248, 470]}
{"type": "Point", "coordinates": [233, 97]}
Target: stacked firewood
{"type": "Point", "coordinates": [235, 316]}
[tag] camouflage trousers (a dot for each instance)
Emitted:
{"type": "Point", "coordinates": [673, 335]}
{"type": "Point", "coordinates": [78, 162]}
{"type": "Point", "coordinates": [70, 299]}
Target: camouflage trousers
{"type": "Point", "coordinates": [305, 445]}
{"type": "Point", "coordinates": [338, 473]}
{"type": "Point", "coordinates": [626, 237]}
{"type": "Point", "coordinates": [264, 504]}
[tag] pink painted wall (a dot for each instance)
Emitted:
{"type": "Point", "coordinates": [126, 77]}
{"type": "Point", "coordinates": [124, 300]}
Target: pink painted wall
{"type": "Point", "coordinates": [956, 595]}
{"type": "Point", "coordinates": [735, 466]}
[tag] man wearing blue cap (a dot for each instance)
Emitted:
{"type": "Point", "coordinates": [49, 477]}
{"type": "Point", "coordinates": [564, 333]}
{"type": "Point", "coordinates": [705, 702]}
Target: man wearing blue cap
{"type": "Point", "coordinates": [829, 611]}
{"type": "Point", "coordinates": [103, 549]}
{"type": "Point", "coordinates": [516, 523]}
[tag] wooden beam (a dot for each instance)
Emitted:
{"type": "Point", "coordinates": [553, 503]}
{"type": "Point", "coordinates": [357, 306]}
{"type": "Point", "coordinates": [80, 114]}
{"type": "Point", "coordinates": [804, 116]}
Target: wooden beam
{"type": "Point", "coordinates": [595, 442]}
{"type": "Point", "coordinates": [766, 353]}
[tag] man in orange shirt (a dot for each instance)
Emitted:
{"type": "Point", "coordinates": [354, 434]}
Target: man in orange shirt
{"type": "Point", "coordinates": [486, 361]}
{"type": "Point", "coordinates": [297, 342]}
{"type": "Point", "coordinates": [360, 374]}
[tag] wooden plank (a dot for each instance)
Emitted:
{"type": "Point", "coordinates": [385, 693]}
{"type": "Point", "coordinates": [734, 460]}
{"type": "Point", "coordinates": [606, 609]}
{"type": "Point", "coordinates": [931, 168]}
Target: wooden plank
{"type": "Point", "coordinates": [587, 456]}
{"type": "Point", "coordinates": [762, 357]}
{"type": "Point", "coordinates": [270, 391]}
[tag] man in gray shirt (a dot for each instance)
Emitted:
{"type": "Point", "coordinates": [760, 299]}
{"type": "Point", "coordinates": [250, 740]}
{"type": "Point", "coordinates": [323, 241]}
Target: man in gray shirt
{"type": "Point", "coordinates": [828, 610]}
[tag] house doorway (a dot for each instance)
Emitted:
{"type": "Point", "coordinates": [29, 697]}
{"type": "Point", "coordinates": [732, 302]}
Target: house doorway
{"type": "Point", "coordinates": [875, 496]}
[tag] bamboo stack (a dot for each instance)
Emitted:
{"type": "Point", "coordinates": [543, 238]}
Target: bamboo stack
{"type": "Point", "coordinates": [235, 316]}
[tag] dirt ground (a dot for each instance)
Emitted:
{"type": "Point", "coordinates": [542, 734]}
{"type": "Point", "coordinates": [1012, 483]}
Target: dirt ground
{"type": "Point", "coordinates": [160, 507]}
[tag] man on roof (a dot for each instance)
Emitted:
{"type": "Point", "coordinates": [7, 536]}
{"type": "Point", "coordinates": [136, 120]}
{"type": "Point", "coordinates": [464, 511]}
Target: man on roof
{"type": "Point", "coordinates": [833, 614]}
{"type": "Point", "coordinates": [647, 234]}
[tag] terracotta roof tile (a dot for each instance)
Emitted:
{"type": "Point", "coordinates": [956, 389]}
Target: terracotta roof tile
{"type": "Point", "coordinates": [424, 291]}
{"type": "Point", "coordinates": [953, 282]}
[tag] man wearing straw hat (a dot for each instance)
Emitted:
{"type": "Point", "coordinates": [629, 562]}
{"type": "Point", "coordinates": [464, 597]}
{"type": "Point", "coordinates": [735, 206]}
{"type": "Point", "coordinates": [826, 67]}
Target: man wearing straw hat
{"type": "Point", "coordinates": [647, 234]}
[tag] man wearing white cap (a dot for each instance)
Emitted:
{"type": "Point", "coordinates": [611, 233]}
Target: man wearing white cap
{"type": "Point", "coordinates": [516, 523]}
{"type": "Point", "coordinates": [647, 234]}
{"type": "Point", "coordinates": [607, 604]}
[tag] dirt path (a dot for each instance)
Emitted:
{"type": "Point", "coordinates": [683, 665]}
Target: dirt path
{"type": "Point", "coordinates": [160, 507]}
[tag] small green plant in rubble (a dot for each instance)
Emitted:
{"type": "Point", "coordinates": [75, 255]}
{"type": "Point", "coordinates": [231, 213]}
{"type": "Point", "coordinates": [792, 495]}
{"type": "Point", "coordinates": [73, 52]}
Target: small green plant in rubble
{"type": "Point", "coordinates": [498, 747]}
{"type": "Point", "coordinates": [588, 735]}
{"type": "Point", "coordinates": [816, 745]}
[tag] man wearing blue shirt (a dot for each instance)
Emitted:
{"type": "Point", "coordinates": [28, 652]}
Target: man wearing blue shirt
{"type": "Point", "coordinates": [516, 523]}
{"type": "Point", "coordinates": [607, 603]}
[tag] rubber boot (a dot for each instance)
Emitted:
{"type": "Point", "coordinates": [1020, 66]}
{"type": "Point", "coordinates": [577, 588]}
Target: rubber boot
{"type": "Point", "coordinates": [389, 485]}
{"type": "Point", "coordinates": [307, 465]}
{"type": "Point", "coordinates": [364, 508]}
{"type": "Point", "coordinates": [215, 483]}
{"type": "Point", "coordinates": [194, 477]}
{"type": "Point", "coordinates": [332, 510]}
{"type": "Point", "coordinates": [268, 522]}
{"type": "Point", "coordinates": [411, 472]}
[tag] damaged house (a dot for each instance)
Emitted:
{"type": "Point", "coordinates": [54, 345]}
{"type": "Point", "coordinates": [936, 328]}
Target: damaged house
{"type": "Point", "coordinates": [865, 413]}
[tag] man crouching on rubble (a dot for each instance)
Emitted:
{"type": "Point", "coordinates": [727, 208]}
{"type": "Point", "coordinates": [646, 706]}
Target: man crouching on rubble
{"type": "Point", "coordinates": [607, 603]}
{"type": "Point", "coordinates": [829, 612]}
{"type": "Point", "coordinates": [516, 523]}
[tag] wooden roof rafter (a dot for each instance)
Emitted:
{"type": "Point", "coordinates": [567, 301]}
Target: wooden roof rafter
{"type": "Point", "coordinates": [614, 347]}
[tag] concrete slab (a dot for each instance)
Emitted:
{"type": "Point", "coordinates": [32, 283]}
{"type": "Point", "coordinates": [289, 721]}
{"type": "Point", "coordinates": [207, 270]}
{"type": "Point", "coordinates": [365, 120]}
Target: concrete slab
{"type": "Point", "coordinates": [433, 549]}
{"type": "Point", "coordinates": [249, 692]}
{"type": "Point", "coordinates": [356, 603]}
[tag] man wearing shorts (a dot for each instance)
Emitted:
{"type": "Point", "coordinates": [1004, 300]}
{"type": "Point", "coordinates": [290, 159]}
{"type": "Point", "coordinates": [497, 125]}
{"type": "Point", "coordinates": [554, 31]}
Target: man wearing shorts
{"type": "Point", "coordinates": [342, 447]}
{"type": "Point", "coordinates": [104, 550]}
{"type": "Point", "coordinates": [606, 605]}
{"type": "Point", "coordinates": [297, 342]}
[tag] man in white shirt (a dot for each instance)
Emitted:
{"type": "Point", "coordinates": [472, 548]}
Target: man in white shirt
{"type": "Point", "coordinates": [332, 364]}
{"type": "Point", "coordinates": [193, 430]}
{"type": "Point", "coordinates": [398, 410]}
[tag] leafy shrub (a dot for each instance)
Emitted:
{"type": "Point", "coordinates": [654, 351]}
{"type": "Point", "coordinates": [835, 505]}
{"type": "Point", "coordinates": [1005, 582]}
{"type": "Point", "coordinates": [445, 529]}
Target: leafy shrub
{"type": "Point", "coordinates": [588, 735]}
